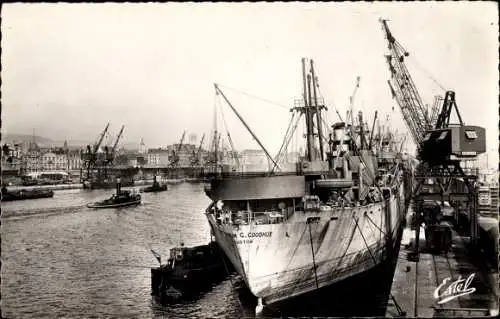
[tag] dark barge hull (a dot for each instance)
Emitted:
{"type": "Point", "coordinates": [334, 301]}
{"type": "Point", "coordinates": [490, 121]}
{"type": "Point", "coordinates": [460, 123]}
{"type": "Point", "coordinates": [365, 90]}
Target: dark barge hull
{"type": "Point", "coordinates": [97, 205]}
{"type": "Point", "coordinates": [24, 195]}
{"type": "Point", "coordinates": [152, 189]}
{"type": "Point", "coordinates": [188, 281]}
{"type": "Point", "coordinates": [107, 185]}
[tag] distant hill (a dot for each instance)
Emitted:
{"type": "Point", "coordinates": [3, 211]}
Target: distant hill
{"type": "Point", "coordinates": [20, 138]}
{"type": "Point", "coordinates": [47, 142]}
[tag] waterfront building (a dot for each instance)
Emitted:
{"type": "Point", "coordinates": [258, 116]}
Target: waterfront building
{"type": "Point", "coordinates": [54, 160]}
{"type": "Point", "coordinates": [32, 159]}
{"type": "Point", "coordinates": [185, 154]}
{"type": "Point", "coordinates": [75, 159]}
{"type": "Point", "coordinates": [254, 160]}
{"type": "Point", "coordinates": [11, 162]}
{"type": "Point", "coordinates": [158, 157]}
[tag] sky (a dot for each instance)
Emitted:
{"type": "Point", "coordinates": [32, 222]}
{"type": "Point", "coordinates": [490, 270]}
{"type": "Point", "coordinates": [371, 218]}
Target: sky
{"type": "Point", "coordinates": [68, 69]}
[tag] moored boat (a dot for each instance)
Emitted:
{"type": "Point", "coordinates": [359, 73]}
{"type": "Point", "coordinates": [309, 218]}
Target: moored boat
{"type": "Point", "coordinates": [336, 215]}
{"type": "Point", "coordinates": [156, 187]}
{"type": "Point", "coordinates": [24, 194]}
{"type": "Point", "coordinates": [189, 270]}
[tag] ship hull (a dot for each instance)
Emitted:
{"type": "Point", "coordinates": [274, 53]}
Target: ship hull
{"type": "Point", "coordinates": [276, 260]}
{"type": "Point", "coordinates": [117, 205]}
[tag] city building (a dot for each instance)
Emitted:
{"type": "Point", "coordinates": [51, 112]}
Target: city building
{"type": "Point", "coordinates": [158, 157]}
{"type": "Point", "coordinates": [11, 159]}
{"type": "Point", "coordinates": [254, 161]}
{"type": "Point", "coordinates": [185, 153]}
{"type": "Point", "coordinates": [75, 159]}
{"type": "Point", "coordinates": [54, 160]}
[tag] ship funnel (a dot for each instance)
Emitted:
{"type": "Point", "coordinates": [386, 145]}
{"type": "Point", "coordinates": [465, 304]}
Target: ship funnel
{"type": "Point", "coordinates": [341, 136]}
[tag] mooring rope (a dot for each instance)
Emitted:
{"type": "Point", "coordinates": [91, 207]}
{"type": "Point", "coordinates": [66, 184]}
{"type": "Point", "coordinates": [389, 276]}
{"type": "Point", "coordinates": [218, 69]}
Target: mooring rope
{"type": "Point", "coordinates": [398, 308]}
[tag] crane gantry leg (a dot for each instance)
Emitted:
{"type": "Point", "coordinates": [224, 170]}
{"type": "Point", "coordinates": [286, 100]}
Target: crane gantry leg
{"type": "Point", "coordinates": [440, 182]}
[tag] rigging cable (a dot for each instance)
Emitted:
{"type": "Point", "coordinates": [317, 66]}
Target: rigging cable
{"type": "Point", "coordinates": [290, 136]}
{"type": "Point", "coordinates": [235, 158]}
{"type": "Point", "coordinates": [309, 221]}
{"type": "Point", "coordinates": [400, 311]}
{"type": "Point", "coordinates": [255, 97]}
{"type": "Point", "coordinates": [293, 131]}
{"type": "Point", "coordinates": [277, 158]}
{"type": "Point", "coordinates": [428, 74]}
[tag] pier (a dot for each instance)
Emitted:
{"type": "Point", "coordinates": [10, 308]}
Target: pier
{"type": "Point", "coordinates": [415, 283]}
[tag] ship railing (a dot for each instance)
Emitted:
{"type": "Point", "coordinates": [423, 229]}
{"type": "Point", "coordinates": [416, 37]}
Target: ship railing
{"type": "Point", "coordinates": [299, 103]}
{"type": "Point", "coordinates": [247, 217]}
{"type": "Point", "coordinates": [253, 174]}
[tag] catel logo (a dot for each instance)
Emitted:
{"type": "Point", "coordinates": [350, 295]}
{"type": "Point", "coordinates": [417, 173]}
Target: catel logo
{"type": "Point", "coordinates": [448, 291]}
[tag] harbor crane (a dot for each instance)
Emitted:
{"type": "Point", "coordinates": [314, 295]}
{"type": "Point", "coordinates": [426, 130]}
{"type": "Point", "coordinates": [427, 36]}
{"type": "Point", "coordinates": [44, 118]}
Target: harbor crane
{"type": "Point", "coordinates": [110, 154]}
{"type": "Point", "coordinates": [195, 160]}
{"type": "Point", "coordinates": [175, 155]}
{"type": "Point", "coordinates": [351, 101]}
{"type": "Point", "coordinates": [90, 158]}
{"type": "Point", "coordinates": [441, 147]}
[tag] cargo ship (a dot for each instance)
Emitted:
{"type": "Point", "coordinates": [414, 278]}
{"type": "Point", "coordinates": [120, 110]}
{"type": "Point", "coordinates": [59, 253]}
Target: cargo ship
{"type": "Point", "coordinates": [336, 214]}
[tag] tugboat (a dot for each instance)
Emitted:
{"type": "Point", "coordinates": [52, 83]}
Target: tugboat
{"type": "Point", "coordinates": [122, 198]}
{"type": "Point", "coordinates": [24, 194]}
{"type": "Point", "coordinates": [156, 187]}
{"type": "Point", "coordinates": [188, 271]}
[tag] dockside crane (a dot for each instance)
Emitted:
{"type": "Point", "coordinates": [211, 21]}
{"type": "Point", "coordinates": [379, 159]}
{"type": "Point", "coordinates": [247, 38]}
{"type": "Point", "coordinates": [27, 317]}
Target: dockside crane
{"type": "Point", "coordinates": [441, 147]}
{"type": "Point", "coordinates": [438, 101]}
{"type": "Point", "coordinates": [89, 157]}
{"type": "Point", "coordinates": [352, 97]}
{"type": "Point", "coordinates": [403, 89]}
{"type": "Point", "coordinates": [195, 161]}
{"type": "Point", "coordinates": [110, 156]}
{"type": "Point", "coordinates": [175, 157]}
{"type": "Point", "coordinates": [99, 142]}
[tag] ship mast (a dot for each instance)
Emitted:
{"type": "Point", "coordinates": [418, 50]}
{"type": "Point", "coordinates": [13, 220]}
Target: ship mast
{"type": "Point", "coordinates": [311, 106]}
{"type": "Point", "coordinates": [318, 112]}
{"type": "Point", "coordinates": [309, 126]}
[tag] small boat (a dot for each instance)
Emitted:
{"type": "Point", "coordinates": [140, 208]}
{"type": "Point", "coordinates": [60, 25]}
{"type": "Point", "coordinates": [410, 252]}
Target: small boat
{"type": "Point", "coordinates": [122, 198]}
{"type": "Point", "coordinates": [156, 187]}
{"type": "Point", "coordinates": [25, 194]}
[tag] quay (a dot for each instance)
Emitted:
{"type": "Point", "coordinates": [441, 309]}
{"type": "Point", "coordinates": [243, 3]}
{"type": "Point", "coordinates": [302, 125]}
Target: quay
{"type": "Point", "coordinates": [45, 187]}
{"type": "Point", "coordinates": [416, 282]}
{"type": "Point", "coordinates": [80, 185]}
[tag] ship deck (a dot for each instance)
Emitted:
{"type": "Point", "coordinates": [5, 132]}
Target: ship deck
{"type": "Point", "coordinates": [414, 283]}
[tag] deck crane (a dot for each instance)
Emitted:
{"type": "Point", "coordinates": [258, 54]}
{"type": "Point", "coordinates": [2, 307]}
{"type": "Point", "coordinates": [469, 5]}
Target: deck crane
{"type": "Point", "coordinates": [441, 147]}
{"type": "Point", "coordinates": [175, 158]}
{"type": "Point", "coordinates": [195, 161]}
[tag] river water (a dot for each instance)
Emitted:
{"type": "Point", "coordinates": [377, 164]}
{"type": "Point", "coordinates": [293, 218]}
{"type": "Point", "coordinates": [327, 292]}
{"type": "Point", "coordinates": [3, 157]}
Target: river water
{"type": "Point", "coordinates": [62, 259]}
